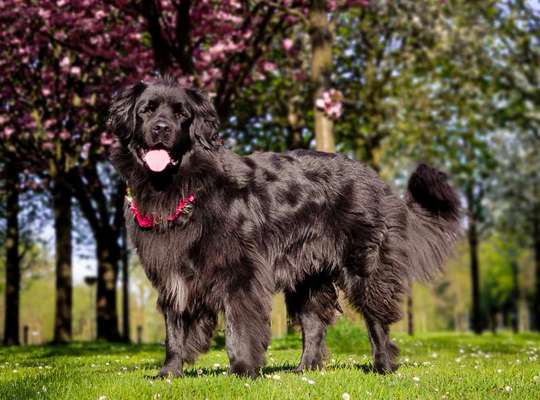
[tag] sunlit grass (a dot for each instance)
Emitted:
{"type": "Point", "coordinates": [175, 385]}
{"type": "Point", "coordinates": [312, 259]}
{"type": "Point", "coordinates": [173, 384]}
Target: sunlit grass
{"type": "Point", "coordinates": [434, 366]}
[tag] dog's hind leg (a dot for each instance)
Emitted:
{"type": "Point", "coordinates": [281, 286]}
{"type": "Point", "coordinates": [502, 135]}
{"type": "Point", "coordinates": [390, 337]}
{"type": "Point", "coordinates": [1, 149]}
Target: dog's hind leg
{"type": "Point", "coordinates": [199, 328]}
{"type": "Point", "coordinates": [384, 350]}
{"type": "Point", "coordinates": [188, 335]}
{"type": "Point", "coordinates": [313, 305]}
{"type": "Point", "coordinates": [247, 330]}
{"type": "Point", "coordinates": [378, 298]}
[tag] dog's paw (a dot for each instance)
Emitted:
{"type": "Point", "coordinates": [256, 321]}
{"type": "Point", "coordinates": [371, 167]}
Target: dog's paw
{"type": "Point", "coordinates": [244, 370]}
{"type": "Point", "coordinates": [312, 365]}
{"type": "Point", "coordinates": [168, 372]}
{"type": "Point", "coordinates": [384, 364]}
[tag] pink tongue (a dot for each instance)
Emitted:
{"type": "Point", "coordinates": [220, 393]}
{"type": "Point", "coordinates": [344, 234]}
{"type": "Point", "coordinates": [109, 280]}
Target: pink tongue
{"type": "Point", "coordinates": [157, 160]}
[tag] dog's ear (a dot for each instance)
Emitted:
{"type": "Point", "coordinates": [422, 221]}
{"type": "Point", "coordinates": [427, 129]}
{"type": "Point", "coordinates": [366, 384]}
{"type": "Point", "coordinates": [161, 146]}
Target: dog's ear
{"type": "Point", "coordinates": [122, 118]}
{"type": "Point", "coordinates": [205, 125]}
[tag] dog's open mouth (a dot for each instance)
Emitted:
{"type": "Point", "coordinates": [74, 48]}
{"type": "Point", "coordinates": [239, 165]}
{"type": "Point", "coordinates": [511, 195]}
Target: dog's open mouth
{"type": "Point", "coordinates": [158, 159]}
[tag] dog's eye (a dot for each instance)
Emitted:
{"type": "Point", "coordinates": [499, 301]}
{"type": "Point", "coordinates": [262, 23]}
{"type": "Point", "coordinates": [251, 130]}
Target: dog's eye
{"type": "Point", "coordinates": [179, 111]}
{"type": "Point", "coordinates": [149, 108]}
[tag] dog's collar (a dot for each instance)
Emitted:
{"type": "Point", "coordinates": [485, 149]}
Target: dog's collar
{"type": "Point", "coordinates": [184, 207]}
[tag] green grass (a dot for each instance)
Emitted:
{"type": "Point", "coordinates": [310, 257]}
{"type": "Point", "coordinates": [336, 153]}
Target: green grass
{"type": "Point", "coordinates": [434, 366]}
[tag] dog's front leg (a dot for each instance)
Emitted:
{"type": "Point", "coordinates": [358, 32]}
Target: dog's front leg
{"type": "Point", "coordinates": [247, 331]}
{"type": "Point", "coordinates": [188, 335]}
{"type": "Point", "coordinates": [173, 346]}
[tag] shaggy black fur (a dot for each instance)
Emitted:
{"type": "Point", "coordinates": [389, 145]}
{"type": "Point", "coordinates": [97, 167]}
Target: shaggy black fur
{"type": "Point", "coordinates": [303, 222]}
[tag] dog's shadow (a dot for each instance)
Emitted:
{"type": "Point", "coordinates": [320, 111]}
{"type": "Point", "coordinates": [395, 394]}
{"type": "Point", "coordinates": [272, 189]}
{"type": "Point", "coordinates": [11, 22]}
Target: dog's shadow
{"type": "Point", "coordinates": [218, 371]}
{"type": "Point", "coordinates": [366, 368]}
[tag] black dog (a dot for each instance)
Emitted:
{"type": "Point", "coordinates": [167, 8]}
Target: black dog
{"type": "Point", "coordinates": [217, 232]}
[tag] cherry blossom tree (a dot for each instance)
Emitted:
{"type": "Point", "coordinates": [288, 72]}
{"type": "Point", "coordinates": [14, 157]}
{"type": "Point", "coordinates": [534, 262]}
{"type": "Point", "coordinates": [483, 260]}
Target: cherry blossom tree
{"type": "Point", "coordinates": [225, 46]}
{"type": "Point", "coordinates": [57, 63]}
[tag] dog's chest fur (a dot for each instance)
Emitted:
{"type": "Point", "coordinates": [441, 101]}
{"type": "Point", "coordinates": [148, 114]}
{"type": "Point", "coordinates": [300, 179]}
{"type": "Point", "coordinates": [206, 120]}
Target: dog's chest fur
{"type": "Point", "coordinates": [166, 262]}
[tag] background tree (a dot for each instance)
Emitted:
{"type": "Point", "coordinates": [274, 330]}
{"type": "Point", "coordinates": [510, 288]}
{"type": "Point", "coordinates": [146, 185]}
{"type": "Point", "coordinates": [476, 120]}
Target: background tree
{"type": "Point", "coordinates": [17, 235]}
{"type": "Point", "coordinates": [518, 25]}
{"type": "Point", "coordinates": [321, 36]}
{"type": "Point", "coordinates": [58, 59]}
{"type": "Point", "coordinates": [11, 190]}
{"type": "Point", "coordinates": [455, 85]}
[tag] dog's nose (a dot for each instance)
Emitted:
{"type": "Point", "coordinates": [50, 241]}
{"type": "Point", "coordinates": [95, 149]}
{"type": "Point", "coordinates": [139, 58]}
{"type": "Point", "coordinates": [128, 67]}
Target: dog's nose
{"type": "Point", "coordinates": [161, 127]}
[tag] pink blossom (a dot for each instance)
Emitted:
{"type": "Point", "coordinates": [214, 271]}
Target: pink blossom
{"type": "Point", "coordinates": [210, 75]}
{"type": "Point", "coordinates": [45, 91]}
{"type": "Point", "coordinates": [48, 146]}
{"type": "Point", "coordinates": [334, 111]}
{"type": "Point", "coordinates": [64, 63]}
{"type": "Point", "coordinates": [331, 103]}
{"type": "Point", "coordinates": [268, 66]}
{"type": "Point", "coordinates": [207, 57]}
{"type": "Point", "coordinates": [332, 5]}
{"type": "Point", "coordinates": [8, 131]}
{"type": "Point", "coordinates": [186, 80]}
{"type": "Point", "coordinates": [218, 48]}
{"type": "Point", "coordinates": [45, 14]}
{"type": "Point", "coordinates": [31, 124]}
{"type": "Point", "coordinates": [222, 15]}
{"type": "Point", "coordinates": [65, 135]}
{"type": "Point", "coordinates": [288, 44]}
{"type": "Point", "coordinates": [76, 71]}
{"type": "Point", "coordinates": [96, 40]}
{"type": "Point", "coordinates": [236, 4]}
{"type": "Point", "coordinates": [85, 150]}
{"type": "Point", "coordinates": [60, 35]}
{"type": "Point", "coordinates": [257, 76]}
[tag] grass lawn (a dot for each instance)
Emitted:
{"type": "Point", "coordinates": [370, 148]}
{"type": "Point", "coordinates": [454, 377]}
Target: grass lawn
{"type": "Point", "coordinates": [434, 366]}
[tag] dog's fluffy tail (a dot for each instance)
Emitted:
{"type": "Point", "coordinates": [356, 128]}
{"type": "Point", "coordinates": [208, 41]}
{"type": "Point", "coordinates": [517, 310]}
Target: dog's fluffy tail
{"type": "Point", "coordinates": [434, 221]}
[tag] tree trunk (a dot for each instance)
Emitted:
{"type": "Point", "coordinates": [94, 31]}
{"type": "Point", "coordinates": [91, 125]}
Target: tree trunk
{"type": "Point", "coordinates": [13, 271]}
{"type": "Point", "coordinates": [125, 286]}
{"type": "Point", "coordinates": [321, 65]}
{"type": "Point", "coordinates": [472, 235]}
{"type": "Point", "coordinates": [515, 296]}
{"type": "Point", "coordinates": [493, 321]}
{"type": "Point", "coordinates": [108, 257]}
{"type": "Point", "coordinates": [64, 291]}
{"type": "Point", "coordinates": [106, 229]}
{"type": "Point", "coordinates": [161, 47]}
{"type": "Point", "coordinates": [536, 244]}
{"type": "Point", "coordinates": [410, 314]}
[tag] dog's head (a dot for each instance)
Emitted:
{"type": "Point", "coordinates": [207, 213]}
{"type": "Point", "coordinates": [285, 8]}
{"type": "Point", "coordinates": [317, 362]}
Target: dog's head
{"type": "Point", "coordinates": [159, 122]}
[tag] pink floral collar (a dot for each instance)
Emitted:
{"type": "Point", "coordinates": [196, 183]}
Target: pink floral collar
{"type": "Point", "coordinates": [184, 206]}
